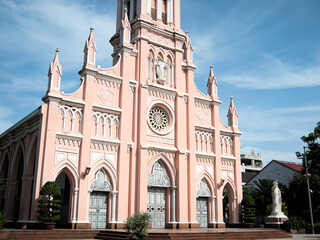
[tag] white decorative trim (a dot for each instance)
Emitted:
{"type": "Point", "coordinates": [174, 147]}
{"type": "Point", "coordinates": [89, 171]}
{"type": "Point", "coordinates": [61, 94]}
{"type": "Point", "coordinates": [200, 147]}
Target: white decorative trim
{"type": "Point", "coordinates": [112, 110]}
{"type": "Point", "coordinates": [204, 128]}
{"type": "Point", "coordinates": [133, 84]}
{"type": "Point", "coordinates": [205, 158]}
{"type": "Point", "coordinates": [227, 162]}
{"type": "Point", "coordinates": [108, 119]}
{"type": "Point", "coordinates": [130, 144]}
{"type": "Point", "coordinates": [204, 141]}
{"type": "Point", "coordinates": [73, 111]}
{"type": "Point", "coordinates": [111, 82]}
{"type": "Point", "coordinates": [98, 143]}
{"type": "Point", "coordinates": [68, 139]}
{"type": "Point", "coordinates": [160, 148]}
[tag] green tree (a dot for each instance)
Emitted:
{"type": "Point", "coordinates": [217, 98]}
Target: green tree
{"type": "Point", "coordinates": [137, 225]}
{"type": "Point", "coordinates": [49, 205]}
{"type": "Point", "coordinates": [263, 195]}
{"type": "Point", "coordinates": [313, 153]}
{"type": "Point", "coordinates": [298, 203]}
{"type": "Point", "coordinates": [248, 206]}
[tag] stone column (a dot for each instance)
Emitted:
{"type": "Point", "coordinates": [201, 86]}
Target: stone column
{"type": "Point", "coordinates": [75, 204]}
{"type": "Point", "coordinates": [173, 203]}
{"type": "Point", "coordinates": [114, 205]}
{"type": "Point", "coordinates": [159, 10]}
{"type": "Point", "coordinates": [235, 210]}
{"type": "Point", "coordinates": [213, 209]}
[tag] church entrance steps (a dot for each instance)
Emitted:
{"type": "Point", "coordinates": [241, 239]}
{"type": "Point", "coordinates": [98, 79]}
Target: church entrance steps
{"type": "Point", "coordinates": [154, 234]}
{"type": "Point", "coordinates": [19, 234]}
{"type": "Point", "coordinates": [201, 234]}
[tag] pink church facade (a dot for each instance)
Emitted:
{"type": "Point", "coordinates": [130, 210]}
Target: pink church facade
{"type": "Point", "coordinates": [138, 136]}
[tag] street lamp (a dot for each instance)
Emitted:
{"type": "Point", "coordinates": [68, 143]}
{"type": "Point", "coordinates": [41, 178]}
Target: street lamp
{"type": "Point", "coordinates": [298, 154]}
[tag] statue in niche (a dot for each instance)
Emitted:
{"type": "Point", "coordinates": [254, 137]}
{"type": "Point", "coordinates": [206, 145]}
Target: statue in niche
{"type": "Point", "coordinates": [161, 71]}
{"type": "Point", "coordinates": [276, 200]}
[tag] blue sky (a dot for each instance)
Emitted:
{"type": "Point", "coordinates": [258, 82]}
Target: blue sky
{"type": "Point", "coordinates": [266, 54]}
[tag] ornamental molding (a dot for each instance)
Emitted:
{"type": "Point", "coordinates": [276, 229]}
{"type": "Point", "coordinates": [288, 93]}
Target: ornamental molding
{"type": "Point", "coordinates": [101, 182]}
{"type": "Point", "coordinates": [162, 92]}
{"type": "Point", "coordinates": [202, 103]}
{"type": "Point", "coordinates": [205, 158]}
{"type": "Point", "coordinates": [106, 109]}
{"type": "Point", "coordinates": [106, 95]}
{"type": "Point", "coordinates": [167, 154]}
{"type": "Point", "coordinates": [132, 85]}
{"type": "Point", "coordinates": [199, 127]}
{"type": "Point", "coordinates": [203, 189]}
{"type": "Point", "coordinates": [115, 83]}
{"type": "Point", "coordinates": [69, 139]}
{"type": "Point", "coordinates": [227, 162]}
{"type": "Point", "coordinates": [104, 144]}
{"type": "Point", "coordinates": [160, 148]}
{"type": "Point", "coordinates": [68, 142]}
{"type": "Point", "coordinates": [159, 176]}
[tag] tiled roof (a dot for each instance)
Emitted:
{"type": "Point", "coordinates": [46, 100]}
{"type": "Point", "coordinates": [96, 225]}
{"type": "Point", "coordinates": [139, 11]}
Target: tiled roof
{"type": "Point", "coordinates": [295, 166]}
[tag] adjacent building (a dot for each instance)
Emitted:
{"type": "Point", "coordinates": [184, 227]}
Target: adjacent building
{"type": "Point", "coordinates": [276, 170]}
{"type": "Point", "coordinates": [138, 136]}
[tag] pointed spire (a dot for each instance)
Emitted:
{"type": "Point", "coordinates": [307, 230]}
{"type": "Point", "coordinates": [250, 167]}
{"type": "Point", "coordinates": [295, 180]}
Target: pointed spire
{"type": "Point", "coordinates": [232, 115]}
{"type": "Point", "coordinates": [188, 49]}
{"type": "Point", "coordinates": [90, 50]}
{"type": "Point", "coordinates": [125, 33]}
{"type": "Point", "coordinates": [212, 84]}
{"type": "Point", "coordinates": [54, 73]}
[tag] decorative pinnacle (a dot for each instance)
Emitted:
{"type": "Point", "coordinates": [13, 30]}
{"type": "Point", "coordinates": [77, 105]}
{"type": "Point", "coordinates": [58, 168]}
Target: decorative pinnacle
{"type": "Point", "coordinates": [187, 32]}
{"type": "Point", "coordinates": [231, 97]}
{"type": "Point", "coordinates": [91, 29]}
{"type": "Point", "coordinates": [211, 66]}
{"type": "Point", "coordinates": [57, 50]}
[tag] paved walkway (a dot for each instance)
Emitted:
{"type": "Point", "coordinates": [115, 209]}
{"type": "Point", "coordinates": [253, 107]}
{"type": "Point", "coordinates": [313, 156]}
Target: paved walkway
{"type": "Point", "coordinates": [302, 237]}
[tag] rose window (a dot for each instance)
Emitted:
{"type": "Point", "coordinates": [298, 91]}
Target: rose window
{"type": "Point", "coordinates": [158, 118]}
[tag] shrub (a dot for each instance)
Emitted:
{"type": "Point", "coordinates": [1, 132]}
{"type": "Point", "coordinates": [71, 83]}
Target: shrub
{"type": "Point", "coordinates": [49, 205]}
{"type": "Point", "coordinates": [137, 225]}
{"type": "Point", "coordinates": [294, 223]}
{"type": "Point", "coordinates": [284, 209]}
{"type": "Point", "coordinates": [249, 211]}
{"type": "Point", "coordinates": [2, 219]}
{"type": "Point", "coordinates": [317, 227]}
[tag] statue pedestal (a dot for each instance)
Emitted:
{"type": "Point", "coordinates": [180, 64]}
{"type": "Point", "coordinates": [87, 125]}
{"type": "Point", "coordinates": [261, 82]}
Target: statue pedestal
{"type": "Point", "coordinates": [275, 221]}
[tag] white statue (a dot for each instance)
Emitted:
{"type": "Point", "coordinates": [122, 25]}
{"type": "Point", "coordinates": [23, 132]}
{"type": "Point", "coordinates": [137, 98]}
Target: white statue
{"type": "Point", "coordinates": [276, 200]}
{"type": "Point", "coordinates": [161, 69]}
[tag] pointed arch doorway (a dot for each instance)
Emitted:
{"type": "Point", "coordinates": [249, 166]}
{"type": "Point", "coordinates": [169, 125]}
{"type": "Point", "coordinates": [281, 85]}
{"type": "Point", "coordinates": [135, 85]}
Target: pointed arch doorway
{"type": "Point", "coordinates": [229, 205]}
{"type": "Point", "coordinates": [99, 199]}
{"type": "Point", "coordinates": [158, 184]}
{"type": "Point", "coordinates": [64, 184]}
{"type": "Point", "coordinates": [204, 197]}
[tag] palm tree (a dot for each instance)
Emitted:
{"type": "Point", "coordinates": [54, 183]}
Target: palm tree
{"type": "Point", "coordinates": [263, 197]}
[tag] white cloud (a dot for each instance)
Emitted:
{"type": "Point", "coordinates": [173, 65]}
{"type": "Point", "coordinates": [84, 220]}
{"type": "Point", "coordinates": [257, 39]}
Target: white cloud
{"type": "Point", "coordinates": [273, 73]}
{"type": "Point", "coordinates": [42, 26]}
{"type": "Point", "coordinates": [276, 125]}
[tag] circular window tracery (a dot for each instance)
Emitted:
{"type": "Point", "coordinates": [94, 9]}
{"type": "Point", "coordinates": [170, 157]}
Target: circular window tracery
{"type": "Point", "coordinates": [158, 118]}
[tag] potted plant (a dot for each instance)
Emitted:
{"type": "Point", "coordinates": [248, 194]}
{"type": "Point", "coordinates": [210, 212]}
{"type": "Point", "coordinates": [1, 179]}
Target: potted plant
{"type": "Point", "coordinates": [49, 204]}
{"type": "Point", "coordinates": [248, 210]}
{"type": "Point", "coordinates": [2, 219]}
{"type": "Point", "coordinates": [294, 225]}
{"type": "Point", "coordinates": [137, 225]}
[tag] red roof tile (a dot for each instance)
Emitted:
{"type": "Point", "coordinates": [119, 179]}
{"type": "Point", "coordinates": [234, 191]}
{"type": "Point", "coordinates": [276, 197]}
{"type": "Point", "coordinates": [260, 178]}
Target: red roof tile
{"type": "Point", "coordinates": [294, 166]}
